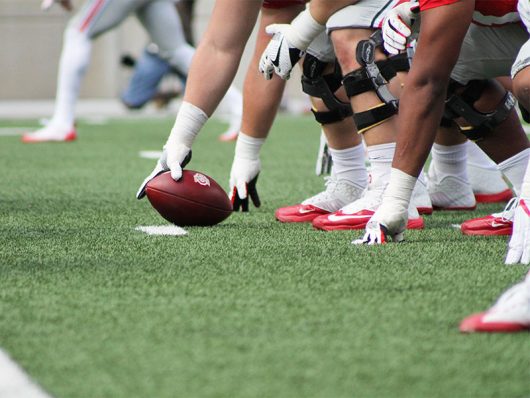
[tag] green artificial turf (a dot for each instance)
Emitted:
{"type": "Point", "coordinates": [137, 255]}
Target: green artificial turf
{"type": "Point", "coordinates": [249, 308]}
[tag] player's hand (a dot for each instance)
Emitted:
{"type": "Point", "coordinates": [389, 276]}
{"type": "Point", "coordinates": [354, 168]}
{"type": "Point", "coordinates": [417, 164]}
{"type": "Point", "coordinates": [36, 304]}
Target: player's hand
{"type": "Point", "coordinates": [519, 245]}
{"type": "Point", "coordinates": [163, 165]}
{"type": "Point", "coordinates": [66, 4]}
{"type": "Point", "coordinates": [397, 26]}
{"type": "Point", "coordinates": [281, 55]}
{"type": "Point", "coordinates": [243, 179]}
{"type": "Point", "coordinates": [288, 45]}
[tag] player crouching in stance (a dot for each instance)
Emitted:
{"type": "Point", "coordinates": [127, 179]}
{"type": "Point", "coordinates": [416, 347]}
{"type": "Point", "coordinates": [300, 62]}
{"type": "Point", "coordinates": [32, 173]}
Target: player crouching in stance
{"type": "Point", "coordinates": [422, 105]}
{"type": "Point", "coordinates": [370, 99]}
{"type": "Point", "coordinates": [213, 68]}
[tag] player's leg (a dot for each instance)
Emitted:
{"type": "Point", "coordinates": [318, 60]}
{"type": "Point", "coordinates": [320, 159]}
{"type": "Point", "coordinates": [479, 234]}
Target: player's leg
{"type": "Point", "coordinates": [213, 68]}
{"type": "Point", "coordinates": [322, 80]}
{"type": "Point", "coordinates": [259, 111]}
{"type": "Point", "coordinates": [375, 119]}
{"type": "Point", "coordinates": [499, 135]}
{"type": "Point", "coordinates": [485, 178]}
{"type": "Point", "coordinates": [95, 18]}
{"type": "Point", "coordinates": [149, 70]}
{"type": "Point", "coordinates": [448, 182]}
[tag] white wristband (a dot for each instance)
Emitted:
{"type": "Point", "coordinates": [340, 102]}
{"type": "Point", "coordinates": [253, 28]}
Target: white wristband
{"type": "Point", "coordinates": [304, 30]}
{"type": "Point", "coordinates": [399, 190]}
{"type": "Point", "coordinates": [188, 123]}
{"type": "Point", "coordinates": [248, 147]}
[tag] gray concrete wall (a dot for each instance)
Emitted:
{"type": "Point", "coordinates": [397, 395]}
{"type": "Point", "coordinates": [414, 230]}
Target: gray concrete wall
{"type": "Point", "coordinates": [30, 46]}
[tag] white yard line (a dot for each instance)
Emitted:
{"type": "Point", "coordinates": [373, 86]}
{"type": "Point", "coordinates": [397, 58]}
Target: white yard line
{"type": "Point", "coordinates": [14, 383]}
{"type": "Point", "coordinates": [168, 230]}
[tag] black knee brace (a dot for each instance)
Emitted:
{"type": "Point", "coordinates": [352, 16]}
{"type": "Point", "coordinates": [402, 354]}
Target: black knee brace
{"type": "Point", "coordinates": [318, 85]}
{"type": "Point", "coordinates": [480, 123]}
{"type": "Point", "coordinates": [374, 76]}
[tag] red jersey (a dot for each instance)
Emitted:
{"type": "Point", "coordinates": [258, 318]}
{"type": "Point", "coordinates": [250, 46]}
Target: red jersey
{"type": "Point", "coordinates": [487, 12]}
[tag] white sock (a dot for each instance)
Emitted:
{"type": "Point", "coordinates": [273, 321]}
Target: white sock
{"type": "Point", "coordinates": [477, 157]}
{"type": "Point", "coordinates": [188, 123]}
{"type": "Point", "coordinates": [348, 164]}
{"type": "Point", "coordinates": [380, 157]}
{"type": "Point", "coordinates": [74, 61]}
{"type": "Point", "coordinates": [514, 169]}
{"type": "Point", "coordinates": [450, 160]}
{"type": "Point", "coordinates": [248, 147]}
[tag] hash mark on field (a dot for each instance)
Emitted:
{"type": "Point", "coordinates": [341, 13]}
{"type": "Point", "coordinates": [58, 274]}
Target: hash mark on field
{"type": "Point", "coordinates": [168, 230]}
{"type": "Point", "coordinates": [150, 154]}
{"type": "Point", "coordinates": [15, 383]}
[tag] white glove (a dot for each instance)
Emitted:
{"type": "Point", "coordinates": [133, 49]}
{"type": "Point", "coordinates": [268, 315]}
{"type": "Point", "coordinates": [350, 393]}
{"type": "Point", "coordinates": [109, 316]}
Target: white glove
{"type": "Point", "coordinates": [519, 245]}
{"type": "Point", "coordinates": [288, 45]}
{"type": "Point", "coordinates": [174, 160]}
{"type": "Point", "coordinates": [397, 25]}
{"type": "Point", "coordinates": [243, 179]}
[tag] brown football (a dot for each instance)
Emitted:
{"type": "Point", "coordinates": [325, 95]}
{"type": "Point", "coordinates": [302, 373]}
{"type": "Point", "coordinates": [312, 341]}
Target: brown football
{"type": "Point", "coordinates": [195, 199]}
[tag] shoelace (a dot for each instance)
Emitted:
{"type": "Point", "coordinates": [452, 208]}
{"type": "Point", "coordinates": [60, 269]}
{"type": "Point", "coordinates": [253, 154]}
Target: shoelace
{"type": "Point", "coordinates": [507, 213]}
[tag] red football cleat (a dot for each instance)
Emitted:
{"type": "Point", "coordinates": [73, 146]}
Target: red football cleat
{"type": "Point", "coordinates": [337, 194]}
{"type": "Point", "coordinates": [479, 323]}
{"type": "Point", "coordinates": [511, 312]}
{"type": "Point", "coordinates": [47, 134]}
{"type": "Point", "coordinates": [494, 224]}
{"type": "Point", "coordinates": [299, 213]}
{"type": "Point", "coordinates": [345, 221]}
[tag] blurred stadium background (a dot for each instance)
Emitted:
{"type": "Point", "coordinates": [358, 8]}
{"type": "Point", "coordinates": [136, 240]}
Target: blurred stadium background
{"type": "Point", "coordinates": [31, 43]}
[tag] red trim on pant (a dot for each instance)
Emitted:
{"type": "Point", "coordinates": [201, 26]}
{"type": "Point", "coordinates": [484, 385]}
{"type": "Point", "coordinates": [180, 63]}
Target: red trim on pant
{"type": "Point", "coordinates": [91, 14]}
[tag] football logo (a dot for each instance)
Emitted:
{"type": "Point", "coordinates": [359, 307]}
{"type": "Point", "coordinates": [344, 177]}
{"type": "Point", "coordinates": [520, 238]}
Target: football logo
{"type": "Point", "coordinates": [201, 179]}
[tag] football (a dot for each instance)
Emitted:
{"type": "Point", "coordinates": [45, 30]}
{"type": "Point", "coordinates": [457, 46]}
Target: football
{"type": "Point", "coordinates": [194, 200]}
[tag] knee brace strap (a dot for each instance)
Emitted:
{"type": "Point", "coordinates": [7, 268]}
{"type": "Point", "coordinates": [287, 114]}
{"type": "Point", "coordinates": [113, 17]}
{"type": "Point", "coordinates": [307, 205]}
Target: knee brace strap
{"type": "Point", "coordinates": [324, 86]}
{"type": "Point", "coordinates": [480, 123]}
{"type": "Point", "coordinates": [373, 117]}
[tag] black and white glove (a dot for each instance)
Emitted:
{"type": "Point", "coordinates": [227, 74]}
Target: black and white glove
{"type": "Point", "coordinates": [179, 159]}
{"type": "Point", "coordinates": [243, 179]}
{"type": "Point", "coordinates": [245, 171]}
{"type": "Point", "coordinates": [397, 26]}
{"type": "Point", "coordinates": [288, 45]}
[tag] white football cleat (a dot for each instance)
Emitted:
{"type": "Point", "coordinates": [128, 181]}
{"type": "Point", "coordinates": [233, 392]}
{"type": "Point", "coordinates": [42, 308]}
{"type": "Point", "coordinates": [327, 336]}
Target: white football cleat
{"type": "Point", "coordinates": [511, 312]}
{"type": "Point", "coordinates": [337, 194]}
{"type": "Point", "coordinates": [420, 197]}
{"type": "Point", "coordinates": [488, 184]}
{"type": "Point", "coordinates": [449, 192]}
{"type": "Point", "coordinates": [50, 133]}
